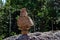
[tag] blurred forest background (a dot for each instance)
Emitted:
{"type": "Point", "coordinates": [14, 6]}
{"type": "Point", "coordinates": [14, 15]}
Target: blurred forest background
{"type": "Point", "coordinates": [45, 14]}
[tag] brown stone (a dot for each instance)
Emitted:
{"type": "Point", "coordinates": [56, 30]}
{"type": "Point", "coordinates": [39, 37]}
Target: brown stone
{"type": "Point", "coordinates": [24, 22]}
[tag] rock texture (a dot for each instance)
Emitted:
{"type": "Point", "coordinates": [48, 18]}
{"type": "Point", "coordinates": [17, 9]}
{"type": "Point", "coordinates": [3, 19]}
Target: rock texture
{"type": "Point", "coordinates": [38, 36]}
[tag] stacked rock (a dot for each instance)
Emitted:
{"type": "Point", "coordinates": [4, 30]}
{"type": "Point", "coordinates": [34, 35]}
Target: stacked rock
{"type": "Point", "coordinates": [37, 36]}
{"type": "Point", "coordinates": [24, 23]}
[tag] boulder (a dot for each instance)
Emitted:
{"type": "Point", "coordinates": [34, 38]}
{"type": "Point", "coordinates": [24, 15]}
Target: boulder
{"type": "Point", "coordinates": [38, 36]}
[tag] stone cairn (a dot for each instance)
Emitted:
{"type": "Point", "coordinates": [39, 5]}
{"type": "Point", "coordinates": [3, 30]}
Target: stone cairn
{"type": "Point", "coordinates": [24, 23]}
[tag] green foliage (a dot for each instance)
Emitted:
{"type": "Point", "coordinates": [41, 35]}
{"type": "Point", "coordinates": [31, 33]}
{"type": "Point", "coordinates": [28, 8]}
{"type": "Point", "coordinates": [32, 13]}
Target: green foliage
{"type": "Point", "coordinates": [44, 13]}
{"type": "Point", "coordinates": [12, 33]}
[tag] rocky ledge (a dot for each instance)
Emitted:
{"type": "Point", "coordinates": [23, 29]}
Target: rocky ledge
{"type": "Point", "coordinates": [39, 36]}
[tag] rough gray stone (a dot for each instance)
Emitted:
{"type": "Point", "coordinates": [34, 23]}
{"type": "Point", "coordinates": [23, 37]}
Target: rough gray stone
{"type": "Point", "coordinates": [38, 36]}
